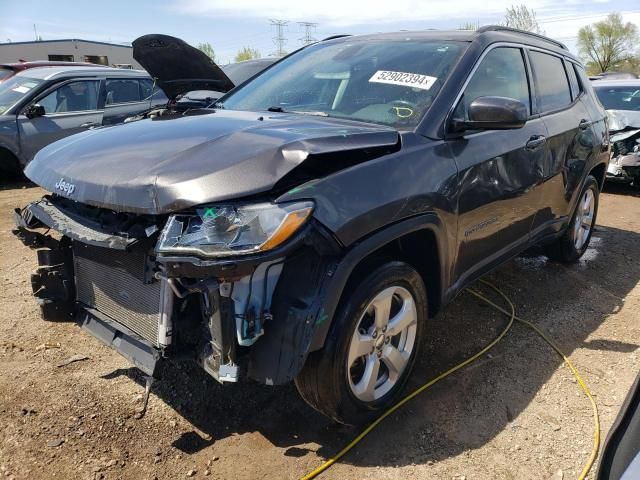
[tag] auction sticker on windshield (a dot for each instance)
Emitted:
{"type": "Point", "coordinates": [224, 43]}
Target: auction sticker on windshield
{"type": "Point", "coordinates": [413, 80]}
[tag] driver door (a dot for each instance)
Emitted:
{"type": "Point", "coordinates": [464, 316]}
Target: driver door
{"type": "Point", "coordinates": [70, 108]}
{"type": "Point", "coordinates": [499, 170]}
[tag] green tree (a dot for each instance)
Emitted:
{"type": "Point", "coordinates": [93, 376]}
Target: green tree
{"type": "Point", "coordinates": [608, 44]}
{"type": "Point", "coordinates": [522, 18]}
{"type": "Point", "coordinates": [247, 53]}
{"type": "Point", "coordinates": [208, 50]}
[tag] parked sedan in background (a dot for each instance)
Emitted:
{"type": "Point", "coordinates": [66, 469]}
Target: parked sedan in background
{"type": "Point", "coordinates": [621, 98]}
{"type": "Point", "coordinates": [41, 105]}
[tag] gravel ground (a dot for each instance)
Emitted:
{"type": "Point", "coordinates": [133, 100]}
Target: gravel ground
{"type": "Point", "coordinates": [516, 413]}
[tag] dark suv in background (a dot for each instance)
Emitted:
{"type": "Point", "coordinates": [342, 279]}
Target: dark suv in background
{"type": "Point", "coordinates": [307, 227]}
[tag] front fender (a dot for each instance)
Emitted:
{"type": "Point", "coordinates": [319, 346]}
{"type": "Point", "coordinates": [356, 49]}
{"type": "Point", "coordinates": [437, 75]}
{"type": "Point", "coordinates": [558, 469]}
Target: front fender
{"type": "Point", "coordinates": [308, 295]}
{"type": "Point", "coordinates": [364, 248]}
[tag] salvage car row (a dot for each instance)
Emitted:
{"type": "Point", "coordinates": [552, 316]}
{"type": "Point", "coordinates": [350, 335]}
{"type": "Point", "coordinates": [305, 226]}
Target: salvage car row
{"type": "Point", "coordinates": [41, 102]}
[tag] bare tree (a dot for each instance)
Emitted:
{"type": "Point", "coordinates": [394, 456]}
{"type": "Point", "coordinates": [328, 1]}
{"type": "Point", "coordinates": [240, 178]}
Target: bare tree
{"type": "Point", "coordinates": [522, 18]}
{"type": "Point", "coordinates": [247, 53]}
{"type": "Point", "coordinates": [470, 26]}
{"type": "Point", "coordinates": [609, 43]}
{"type": "Point", "coordinates": [207, 49]}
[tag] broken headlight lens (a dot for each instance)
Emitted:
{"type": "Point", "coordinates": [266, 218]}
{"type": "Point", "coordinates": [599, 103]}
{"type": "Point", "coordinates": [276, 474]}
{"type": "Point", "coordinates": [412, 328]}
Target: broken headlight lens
{"type": "Point", "coordinates": [223, 230]}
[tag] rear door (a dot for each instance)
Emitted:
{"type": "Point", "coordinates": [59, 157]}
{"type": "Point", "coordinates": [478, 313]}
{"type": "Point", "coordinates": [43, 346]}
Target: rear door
{"type": "Point", "coordinates": [125, 97]}
{"type": "Point", "coordinates": [570, 138]}
{"type": "Point", "coordinates": [498, 169]}
{"type": "Point", "coordinates": [70, 107]}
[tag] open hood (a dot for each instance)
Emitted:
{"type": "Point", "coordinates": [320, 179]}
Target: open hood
{"type": "Point", "coordinates": [177, 66]}
{"type": "Point", "coordinates": [623, 119]}
{"type": "Point", "coordinates": [167, 164]}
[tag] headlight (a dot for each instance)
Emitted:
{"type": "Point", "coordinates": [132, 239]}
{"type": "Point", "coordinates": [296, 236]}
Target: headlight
{"type": "Point", "coordinates": [223, 230]}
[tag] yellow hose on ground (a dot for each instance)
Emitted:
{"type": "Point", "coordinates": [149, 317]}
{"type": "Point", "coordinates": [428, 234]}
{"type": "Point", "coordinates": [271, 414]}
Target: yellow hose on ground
{"type": "Point", "coordinates": [512, 317]}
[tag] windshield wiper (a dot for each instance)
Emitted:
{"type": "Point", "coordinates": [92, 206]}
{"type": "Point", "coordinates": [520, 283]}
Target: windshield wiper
{"type": "Point", "coordinates": [279, 109]}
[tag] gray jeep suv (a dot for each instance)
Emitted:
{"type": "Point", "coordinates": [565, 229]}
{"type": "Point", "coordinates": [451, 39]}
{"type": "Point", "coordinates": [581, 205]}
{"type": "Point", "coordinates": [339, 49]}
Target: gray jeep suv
{"type": "Point", "coordinates": [308, 226]}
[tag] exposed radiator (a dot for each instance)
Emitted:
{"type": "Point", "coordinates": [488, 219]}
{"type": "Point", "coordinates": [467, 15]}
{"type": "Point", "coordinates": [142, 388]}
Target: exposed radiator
{"type": "Point", "coordinates": [112, 282]}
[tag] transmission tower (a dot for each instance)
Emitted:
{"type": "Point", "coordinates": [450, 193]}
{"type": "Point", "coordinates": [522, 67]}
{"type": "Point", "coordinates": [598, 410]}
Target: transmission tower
{"type": "Point", "coordinates": [279, 40]}
{"type": "Point", "coordinates": [308, 27]}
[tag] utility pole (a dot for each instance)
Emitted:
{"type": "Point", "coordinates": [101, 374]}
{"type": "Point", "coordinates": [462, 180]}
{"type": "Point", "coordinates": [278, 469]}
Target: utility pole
{"type": "Point", "coordinates": [279, 39]}
{"type": "Point", "coordinates": [308, 26]}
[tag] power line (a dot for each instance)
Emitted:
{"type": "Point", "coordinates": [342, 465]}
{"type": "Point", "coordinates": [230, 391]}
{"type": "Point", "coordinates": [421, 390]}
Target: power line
{"type": "Point", "coordinates": [308, 26]}
{"type": "Point", "coordinates": [279, 40]}
{"type": "Point", "coordinates": [562, 18]}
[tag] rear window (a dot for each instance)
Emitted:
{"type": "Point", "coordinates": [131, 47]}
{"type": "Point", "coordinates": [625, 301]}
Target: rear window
{"type": "Point", "coordinates": [552, 83]}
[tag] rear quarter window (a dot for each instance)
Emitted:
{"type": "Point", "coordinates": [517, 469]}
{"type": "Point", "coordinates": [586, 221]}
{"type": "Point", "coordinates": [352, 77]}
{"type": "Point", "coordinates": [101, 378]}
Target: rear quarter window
{"type": "Point", "coordinates": [552, 84]}
{"type": "Point", "coordinates": [122, 91]}
{"type": "Point", "coordinates": [576, 89]}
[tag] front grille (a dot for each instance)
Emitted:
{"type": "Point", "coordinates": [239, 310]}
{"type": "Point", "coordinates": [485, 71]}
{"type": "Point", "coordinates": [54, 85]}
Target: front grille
{"type": "Point", "coordinates": [112, 282]}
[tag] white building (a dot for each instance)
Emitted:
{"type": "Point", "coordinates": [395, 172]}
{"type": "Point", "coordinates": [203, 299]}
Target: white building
{"type": "Point", "coordinates": [71, 50]}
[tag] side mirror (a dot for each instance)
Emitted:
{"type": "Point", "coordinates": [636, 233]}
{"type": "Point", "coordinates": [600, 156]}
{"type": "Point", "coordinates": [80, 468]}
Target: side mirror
{"type": "Point", "coordinates": [35, 111]}
{"type": "Point", "coordinates": [493, 113]}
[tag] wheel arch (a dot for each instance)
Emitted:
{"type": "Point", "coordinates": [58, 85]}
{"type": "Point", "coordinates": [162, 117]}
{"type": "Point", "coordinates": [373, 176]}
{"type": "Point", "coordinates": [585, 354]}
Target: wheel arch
{"type": "Point", "coordinates": [9, 161]}
{"type": "Point", "coordinates": [419, 241]}
{"type": "Point", "coordinates": [599, 173]}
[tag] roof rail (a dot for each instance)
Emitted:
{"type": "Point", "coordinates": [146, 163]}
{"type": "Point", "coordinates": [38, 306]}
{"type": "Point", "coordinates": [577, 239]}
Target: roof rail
{"type": "Point", "coordinates": [499, 28]}
{"type": "Point", "coordinates": [332, 37]}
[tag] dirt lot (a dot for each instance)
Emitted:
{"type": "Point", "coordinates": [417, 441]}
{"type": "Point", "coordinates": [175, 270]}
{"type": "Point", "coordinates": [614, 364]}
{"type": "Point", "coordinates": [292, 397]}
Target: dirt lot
{"type": "Point", "coordinates": [515, 414]}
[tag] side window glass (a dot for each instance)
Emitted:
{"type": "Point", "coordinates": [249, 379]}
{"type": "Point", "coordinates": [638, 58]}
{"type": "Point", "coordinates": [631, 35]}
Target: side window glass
{"type": "Point", "coordinates": [501, 73]}
{"type": "Point", "coordinates": [147, 89]}
{"type": "Point", "coordinates": [573, 80]}
{"type": "Point", "coordinates": [551, 81]}
{"type": "Point", "coordinates": [72, 97]}
{"type": "Point", "coordinates": [121, 91]}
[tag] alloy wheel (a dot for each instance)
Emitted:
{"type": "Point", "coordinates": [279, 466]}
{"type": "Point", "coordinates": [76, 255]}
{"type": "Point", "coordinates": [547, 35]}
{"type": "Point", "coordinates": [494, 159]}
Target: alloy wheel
{"type": "Point", "coordinates": [382, 344]}
{"type": "Point", "coordinates": [583, 222]}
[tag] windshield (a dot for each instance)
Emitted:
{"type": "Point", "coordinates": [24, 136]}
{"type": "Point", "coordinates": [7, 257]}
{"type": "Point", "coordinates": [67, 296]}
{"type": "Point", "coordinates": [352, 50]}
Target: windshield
{"type": "Point", "coordinates": [14, 89]}
{"type": "Point", "coordinates": [392, 82]}
{"type": "Point", "coordinates": [619, 97]}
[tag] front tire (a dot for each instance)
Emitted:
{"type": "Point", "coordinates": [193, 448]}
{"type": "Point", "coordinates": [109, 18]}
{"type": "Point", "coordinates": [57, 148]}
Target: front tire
{"type": "Point", "coordinates": [371, 347]}
{"type": "Point", "coordinates": [575, 240]}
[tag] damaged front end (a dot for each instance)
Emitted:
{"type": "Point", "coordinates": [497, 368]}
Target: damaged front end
{"type": "Point", "coordinates": [625, 152]}
{"type": "Point", "coordinates": [220, 284]}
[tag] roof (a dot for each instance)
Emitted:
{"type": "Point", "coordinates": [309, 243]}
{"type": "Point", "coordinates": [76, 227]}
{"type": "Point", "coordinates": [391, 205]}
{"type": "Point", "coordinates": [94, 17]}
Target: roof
{"type": "Point", "coordinates": [488, 34]}
{"type": "Point", "coordinates": [47, 73]}
{"type": "Point", "coordinates": [625, 82]}
{"type": "Point", "coordinates": [67, 40]}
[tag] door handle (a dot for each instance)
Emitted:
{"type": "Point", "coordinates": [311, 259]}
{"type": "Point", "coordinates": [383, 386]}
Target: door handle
{"type": "Point", "coordinates": [535, 142]}
{"type": "Point", "coordinates": [584, 124]}
{"type": "Point", "coordinates": [89, 125]}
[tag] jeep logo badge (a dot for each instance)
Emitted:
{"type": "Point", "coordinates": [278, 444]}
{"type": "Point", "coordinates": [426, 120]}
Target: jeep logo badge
{"type": "Point", "coordinates": [65, 187]}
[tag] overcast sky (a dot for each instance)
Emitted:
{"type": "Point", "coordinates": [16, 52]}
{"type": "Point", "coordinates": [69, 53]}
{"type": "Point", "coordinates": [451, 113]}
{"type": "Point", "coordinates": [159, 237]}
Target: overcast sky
{"type": "Point", "coordinates": [232, 24]}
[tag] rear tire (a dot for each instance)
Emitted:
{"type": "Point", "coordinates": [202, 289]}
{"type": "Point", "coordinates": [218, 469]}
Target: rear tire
{"type": "Point", "coordinates": [575, 240]}
{"type": "Point", "coordinates": [371, 348]}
